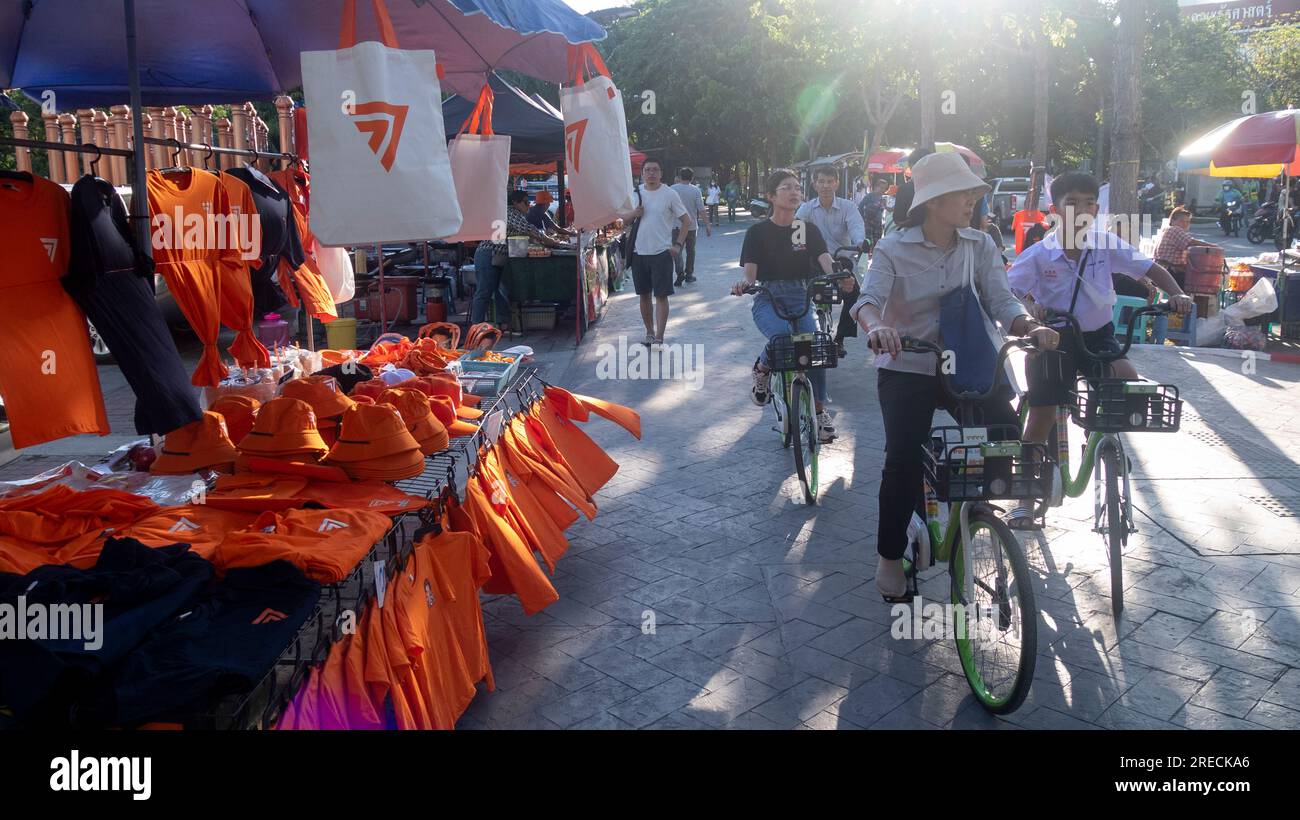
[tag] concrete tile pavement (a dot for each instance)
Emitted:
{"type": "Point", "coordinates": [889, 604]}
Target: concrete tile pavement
{"type": "Point", "coordinates": [765, 610]}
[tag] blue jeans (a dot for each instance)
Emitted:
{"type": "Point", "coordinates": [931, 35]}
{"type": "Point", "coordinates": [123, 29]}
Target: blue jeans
{"type": "Point", "coordinates": [488, 283]}
{"type": "Point", "coordinates": [790, 296]}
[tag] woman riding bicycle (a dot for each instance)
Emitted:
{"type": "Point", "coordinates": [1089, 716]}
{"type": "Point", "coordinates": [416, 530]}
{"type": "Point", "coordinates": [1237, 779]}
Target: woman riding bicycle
{"type": "Point", "coordinates": [781, 255]}
{"type": "Point", "coordinates": [916, 275]}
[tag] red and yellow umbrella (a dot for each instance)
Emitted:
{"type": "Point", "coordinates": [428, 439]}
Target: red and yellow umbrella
{"type": "Point", "coordinates": [1261, 145]}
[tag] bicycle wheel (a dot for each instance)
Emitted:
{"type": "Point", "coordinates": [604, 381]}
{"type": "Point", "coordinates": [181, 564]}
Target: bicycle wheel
{"type": "Point", "coordinates": [1115, 528]}
{"type": "Point", "coordinates": [803, 422]}
{"type": "Point", "coordinates": [780, 396]}
{"type": "Point", "coordinates": [997, 623]}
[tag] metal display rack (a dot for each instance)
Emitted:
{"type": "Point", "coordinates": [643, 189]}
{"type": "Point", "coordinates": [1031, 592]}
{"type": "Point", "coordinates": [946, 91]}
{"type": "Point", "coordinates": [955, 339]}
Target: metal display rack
{"type": "Point", "coordinates": [445, 473]}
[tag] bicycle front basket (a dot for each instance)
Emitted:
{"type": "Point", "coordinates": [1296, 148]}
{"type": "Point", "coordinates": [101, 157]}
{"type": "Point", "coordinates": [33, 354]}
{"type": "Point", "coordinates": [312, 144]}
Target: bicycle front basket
{"type": "Point", "coordinates": [962, 465]}
{"type": "Point", "coordinates": [801, 351]}
{"type": "Point", "coordinates": [1126, 406]}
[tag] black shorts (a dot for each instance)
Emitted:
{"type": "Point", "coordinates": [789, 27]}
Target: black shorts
{"type": "Point", "coordinates": [653, 274]}
{"type": "Point", "coordinates": [1053, 374]}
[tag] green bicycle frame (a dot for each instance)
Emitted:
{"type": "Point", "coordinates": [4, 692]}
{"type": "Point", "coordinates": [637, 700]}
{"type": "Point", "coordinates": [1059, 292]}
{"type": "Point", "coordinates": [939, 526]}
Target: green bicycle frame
{"type": "Point", "coordinates": [1073, 487]}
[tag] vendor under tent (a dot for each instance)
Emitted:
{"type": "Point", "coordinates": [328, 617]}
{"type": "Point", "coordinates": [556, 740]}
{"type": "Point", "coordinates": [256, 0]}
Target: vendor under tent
{"type": "Point", "coordinates": [1261, 146]}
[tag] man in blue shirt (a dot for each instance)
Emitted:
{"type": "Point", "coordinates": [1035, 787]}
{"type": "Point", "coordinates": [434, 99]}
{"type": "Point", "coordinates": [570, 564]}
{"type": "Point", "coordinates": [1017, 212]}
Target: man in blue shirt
{"type": "Point", "coordinates": [841, 226]}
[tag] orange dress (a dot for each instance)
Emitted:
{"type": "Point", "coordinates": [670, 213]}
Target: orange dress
{"type": "Point", "coordinates": [188, 253]}
{"type": "Point", "coordinates": [48, 378]}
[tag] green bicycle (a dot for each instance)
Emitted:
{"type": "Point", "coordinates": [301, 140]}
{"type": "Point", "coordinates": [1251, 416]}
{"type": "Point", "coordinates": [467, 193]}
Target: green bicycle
{"type": "Point", "coordinates": [791, 355]}
{"type": "Point", "coordinates": [991, 589]}
{"type": "Point", "coordinates": [1103, 408]}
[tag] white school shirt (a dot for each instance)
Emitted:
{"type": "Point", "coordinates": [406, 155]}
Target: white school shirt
{"type": "Point", "coordinates": [1045, 273]}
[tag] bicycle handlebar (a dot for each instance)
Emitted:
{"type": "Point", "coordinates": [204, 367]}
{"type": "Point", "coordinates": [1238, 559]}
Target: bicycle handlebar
{"type": "Point", "coordinates": [825, 279]}
{"type": "Point", "coordinates": [912, 344]}
{"type": "Point", "coordinates": [1068, 320]}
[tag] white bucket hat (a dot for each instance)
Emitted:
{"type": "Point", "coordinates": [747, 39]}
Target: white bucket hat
{"type": "Point", "coordinates": [942, 173]}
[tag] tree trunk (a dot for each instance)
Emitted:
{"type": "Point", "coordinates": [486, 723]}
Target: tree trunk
{"type": "Point", "coordinates": [1126, 124]}
{"type": "Point", "coordinates": [926, 58]}
{"type": "Point", "coordinates": [1041, 85]}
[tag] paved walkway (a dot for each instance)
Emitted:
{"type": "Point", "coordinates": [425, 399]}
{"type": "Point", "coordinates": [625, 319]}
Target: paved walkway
{"type": "Point", "coordinates": [764, 611]}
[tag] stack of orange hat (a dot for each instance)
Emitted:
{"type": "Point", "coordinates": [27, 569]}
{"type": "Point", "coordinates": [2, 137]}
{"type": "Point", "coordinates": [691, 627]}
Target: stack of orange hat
{"type": "Point", "coordinates": [374, 443]}
{"type": "Point", "coordinates": [198, 445]}
{"type": "Point", "coordinates": [446, 412]}
{"type": "Point", "coordinates": [285, 430]}
{"type": "Point", "coordinates": [371, 388]}
{"type": "Point", "coordinates": [413, 406]}
{"type": "Point", "coordinates": [238, 411]}
{"type": "Point", "coordinates": [445, 384]}
{"type": "Point", "coordinates": [327, 401]}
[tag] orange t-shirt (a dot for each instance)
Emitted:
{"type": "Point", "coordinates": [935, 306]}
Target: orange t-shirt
{"type": "Point", "coordinates": [587, 461]}
{"type": "Point", "coordinates": [576, 408]}
{"type": "Point", "coordinates": [186, 212]}
{"type": "Point", "coordinates": [1022, 222]}
{"type": "Point", "coordinates": [60, 525]}
{"type": "Point", "coordinates": [201, 526]}
{"type": "Point", "coordinates": [316, 296]}
{"type": "Point", "coordinates": [48, 378]}
{"type": "Point", "coordinates": [325, 544]}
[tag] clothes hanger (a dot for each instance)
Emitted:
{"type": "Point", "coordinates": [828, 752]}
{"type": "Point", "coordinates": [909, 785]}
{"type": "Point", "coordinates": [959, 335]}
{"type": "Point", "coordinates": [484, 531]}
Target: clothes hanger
{"type": "Point", "coordinates": [176, 156]}
{"type": "Point", "coordinates": [208, 156]}
{"type": "Point", "coordinates": [94, 163]}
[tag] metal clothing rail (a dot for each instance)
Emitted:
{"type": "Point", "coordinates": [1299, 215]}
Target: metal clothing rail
{"type": "Point", "coordinates": [129, 154]}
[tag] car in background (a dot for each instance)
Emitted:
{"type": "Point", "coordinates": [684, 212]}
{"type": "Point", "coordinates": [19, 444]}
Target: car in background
{"type": "Point", "coordinates": [1007, 197]}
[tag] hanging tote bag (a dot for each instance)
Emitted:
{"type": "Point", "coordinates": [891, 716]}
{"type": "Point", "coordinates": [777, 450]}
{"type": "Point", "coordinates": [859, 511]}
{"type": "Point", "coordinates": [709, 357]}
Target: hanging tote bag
{"type": "Point", "coordinates": [480, 166]}
{"type": "Point", "coordinates": [597, 161]}
{"type": "Point", "coordinates": [380, 171]}
{"type": "Point", "coordinates": [966, 330]}
{"type": "Point", "coordinates": [336, 269]}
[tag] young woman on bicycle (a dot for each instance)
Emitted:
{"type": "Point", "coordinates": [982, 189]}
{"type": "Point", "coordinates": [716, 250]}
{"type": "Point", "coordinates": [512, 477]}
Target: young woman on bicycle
{"type": "Point", "coordinates": [911, 271]}
{"type": "Point", "coordinates": [782, 256]}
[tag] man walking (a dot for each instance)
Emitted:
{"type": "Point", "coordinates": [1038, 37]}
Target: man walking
{"type": "Point", "coordinates": [695, 209]}
{"type": "Point", "coordinates": [654, 249]}
{"type": "Point", "coordinates": [841, 225]}
{"type": "Point", "coordinates": [733, 197]}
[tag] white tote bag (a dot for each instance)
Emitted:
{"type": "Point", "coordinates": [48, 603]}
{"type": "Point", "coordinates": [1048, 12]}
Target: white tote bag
{"type": "Point", "coordinates": [480, 166]}
{"type": "Point", "coordinates": [597, 161]}
{"type": "Point", "coordinates": [336, 269]}
{"type": "Point", "coordinates": [380, 171]}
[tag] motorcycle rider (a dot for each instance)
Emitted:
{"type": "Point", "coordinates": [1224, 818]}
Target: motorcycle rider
{"type": "Point", "coordinates": [1229, 197]}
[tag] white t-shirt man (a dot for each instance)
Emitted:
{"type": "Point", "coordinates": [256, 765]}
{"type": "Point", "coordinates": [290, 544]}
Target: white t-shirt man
{"type": "Point", "coordinates": [663, 212]}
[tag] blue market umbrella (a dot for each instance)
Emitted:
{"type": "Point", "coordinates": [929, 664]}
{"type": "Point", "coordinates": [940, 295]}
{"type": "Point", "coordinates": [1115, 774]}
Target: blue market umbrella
{"type": "Point", "coordinates": [201, 51]}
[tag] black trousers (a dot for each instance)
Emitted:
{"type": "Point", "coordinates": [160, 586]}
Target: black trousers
{"type": "Point", "coordinates": [847, 327]}
{"type": "Point", "coordinates": [908, 402]}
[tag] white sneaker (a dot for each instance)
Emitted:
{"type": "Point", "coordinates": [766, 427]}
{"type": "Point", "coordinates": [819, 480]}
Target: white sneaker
{"type": "Point", "coordinates": [825, 428]}
{"type": "Point", "coordinates": [761, 391]}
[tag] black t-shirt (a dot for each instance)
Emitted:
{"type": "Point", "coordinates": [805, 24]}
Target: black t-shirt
{"type": "Point", "coordinates": [773, 249]}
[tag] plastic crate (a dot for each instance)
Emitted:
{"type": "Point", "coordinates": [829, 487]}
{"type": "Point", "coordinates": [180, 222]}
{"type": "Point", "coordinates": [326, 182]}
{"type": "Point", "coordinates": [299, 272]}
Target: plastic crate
{"type": "Point", "coordinates": [801, 351]}
{"type": "Point", "coordinates": [539, 317]}
{"type": "Point", "coordinates": [489, 378]}
{"type": "Point", "coordinates": [1122, 406]}
{"type": "Point", "coordinates": [960, 468]}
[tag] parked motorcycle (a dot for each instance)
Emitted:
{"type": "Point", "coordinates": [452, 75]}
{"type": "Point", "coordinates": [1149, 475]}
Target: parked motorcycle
{"type": "Point", "coordinates": [760, 208]}
{"type": "Point", "coordinates": [1261, 228]}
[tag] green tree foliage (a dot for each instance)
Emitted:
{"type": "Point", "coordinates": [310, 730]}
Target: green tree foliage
{"type": "Point", "coordinates": [1275, 58]}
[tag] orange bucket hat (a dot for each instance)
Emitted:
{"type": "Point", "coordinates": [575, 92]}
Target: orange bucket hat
{"type": "Point", "coordinates": [284, 426]}
{"type": "Point", "coordinates": [445, 384]}
{"type": "Point", "coordinates": [446, 412]}
{"type": "Point", "coordinates": [370, 432]}
{"type": "Point", "coordinates": [413, 406]}
{"type": "Point", "coordinates": [370, 388]}
{"type": "Point", "coordinates": [199, 444]}
{"type": "Point", "coordinates": [239, 412]}
{"type": "Point", "coordinates": [321, 392]}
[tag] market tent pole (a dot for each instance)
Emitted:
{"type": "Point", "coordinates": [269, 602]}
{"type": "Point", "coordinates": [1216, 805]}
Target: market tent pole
{"type": "Point", "coordinates": [559, 176]}
{"type": "Point", "coordinates": [580, 302]}
{"type": "Point", "coordinates": [139, 193]}
{"type": "Point", "coordinates": [383, 313]}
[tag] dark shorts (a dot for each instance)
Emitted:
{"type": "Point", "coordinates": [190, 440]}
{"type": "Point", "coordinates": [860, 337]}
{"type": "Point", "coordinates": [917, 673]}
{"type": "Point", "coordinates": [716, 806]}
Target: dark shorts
{"type": "Point", "coordinates": [653, 274]}
{"type": "Point", "coordinates": [1052, 375]}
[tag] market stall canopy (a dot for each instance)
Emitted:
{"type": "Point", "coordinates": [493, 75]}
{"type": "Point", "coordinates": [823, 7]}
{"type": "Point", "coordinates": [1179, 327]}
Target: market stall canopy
{"type": "Point", "coordinates": [199, 51]}
{"type": "Point", "coordinates": [1261, 145]}
{"type": "Point", "coordinates": [536, 135]}
{"type": "Point", "coordinates": [887, 161]}
{"type": "Point", "coordinates": [638, 159]}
